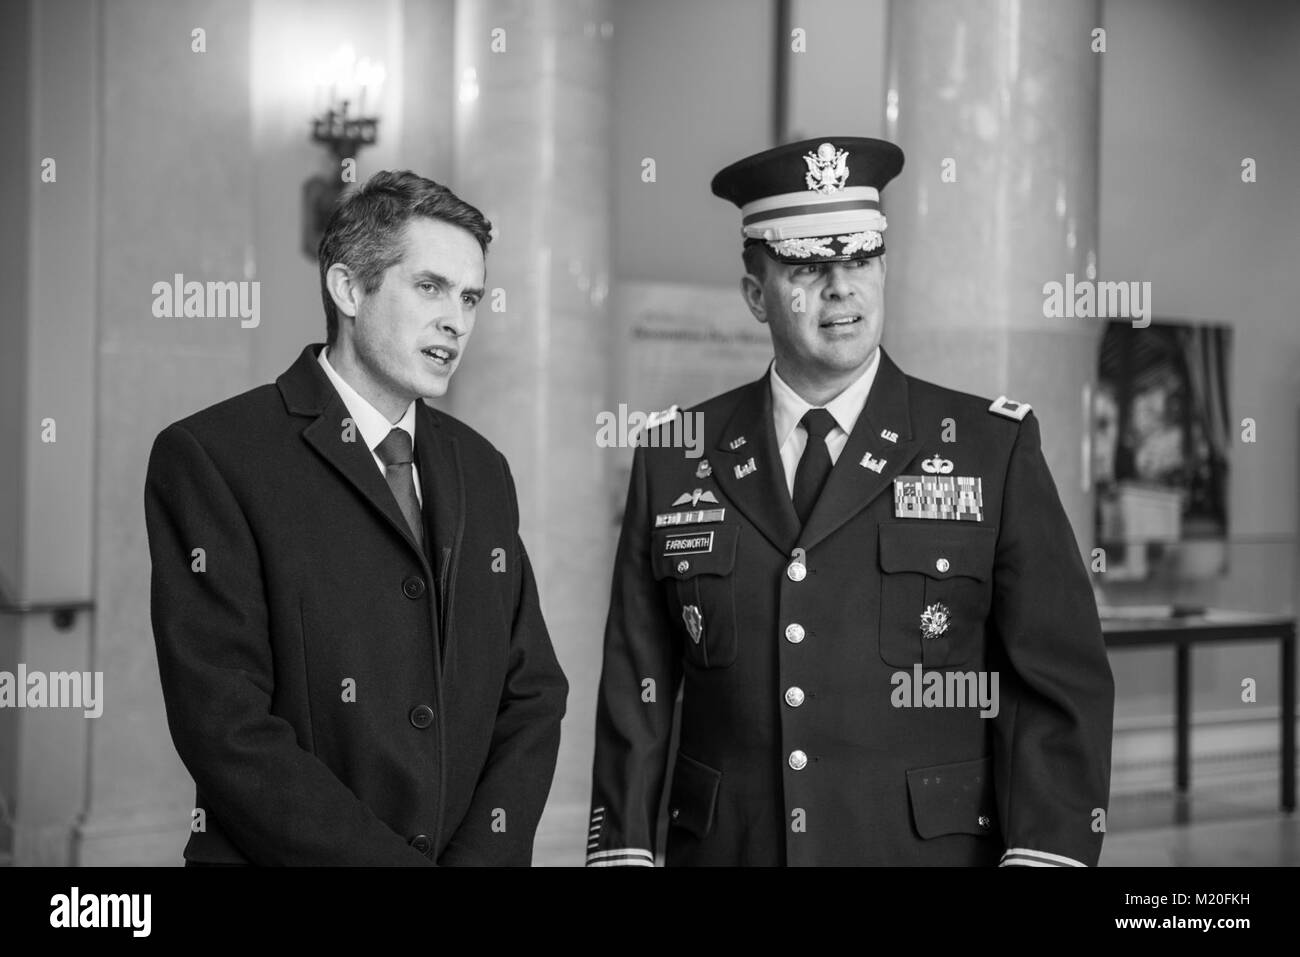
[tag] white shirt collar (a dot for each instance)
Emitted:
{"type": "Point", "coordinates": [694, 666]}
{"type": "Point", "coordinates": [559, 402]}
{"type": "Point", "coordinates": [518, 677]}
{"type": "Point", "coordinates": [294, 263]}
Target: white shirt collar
{"type": "Point", "coordinates": [373, 424]}
{"type": "Point", "coordinates": [788, 407]}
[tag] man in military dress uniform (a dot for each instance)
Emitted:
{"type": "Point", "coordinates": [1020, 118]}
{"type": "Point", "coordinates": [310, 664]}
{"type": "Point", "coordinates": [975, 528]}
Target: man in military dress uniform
{"type": "Point", "coordinates": [867, 591]}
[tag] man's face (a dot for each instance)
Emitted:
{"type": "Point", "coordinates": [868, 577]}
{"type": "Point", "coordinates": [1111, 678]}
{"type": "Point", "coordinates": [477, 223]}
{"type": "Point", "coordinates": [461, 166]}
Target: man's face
{"type": "Point", "coordinates": [826, 318]}
{"type": "Point", "coordinates": [411, 332]}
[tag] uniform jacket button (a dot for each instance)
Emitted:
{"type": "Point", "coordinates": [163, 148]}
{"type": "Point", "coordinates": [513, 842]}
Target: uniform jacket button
{"type": "Point", "coordinates": [798, 760]}
{"type": "Point", "coordinates": [422, 843]}
{"type": "Point", "coordinates": [794, 696]}
{"type": "Point", "coordinates": [794, 633]}
{"type": "Point", "coordinates": [942, 565]}
{"type": "Point", "coordinates": [422, 716]}
{"type": "Point", "coordinates": [796, 571]}
{"type": "Point", "coordinates": [413, 587]}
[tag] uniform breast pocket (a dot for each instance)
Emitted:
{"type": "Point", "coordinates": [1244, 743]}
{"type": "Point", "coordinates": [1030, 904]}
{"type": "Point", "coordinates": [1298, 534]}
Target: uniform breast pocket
{"type": "Point", "coordinates": [697, 566]}
{"type": "Point", "coordinates": [935, 592]}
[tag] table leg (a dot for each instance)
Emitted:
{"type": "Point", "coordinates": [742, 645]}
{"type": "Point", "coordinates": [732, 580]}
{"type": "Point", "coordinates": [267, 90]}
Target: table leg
{"type": "Point", "coordinates": [1288, 723]}
{"type": "Point", "coordinates": [1183, 704]}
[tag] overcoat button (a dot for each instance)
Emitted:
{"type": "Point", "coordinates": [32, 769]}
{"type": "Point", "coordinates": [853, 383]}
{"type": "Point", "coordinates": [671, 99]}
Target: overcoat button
{"type": "Point", "coordinates": [413, 587]}
{"type": "Point", "coordinates": [422, 716]}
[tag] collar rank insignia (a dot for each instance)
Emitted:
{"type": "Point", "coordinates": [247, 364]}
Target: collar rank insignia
{"type": "Point", "coordinates": [747, 469]}
{"type": "Point", "coordinates": [1009, 408]}
{"type": "Point", "coordinates": [876, 465]}
{"type": "Point", "coordinates": [958, 498]}
{"type": "Point", "coordinates": [937, 466]}
{"type": "Point", "coordinates": [889, 435]}
{"type": "Point", "coordinates": [828, 169]}
{"type": "Point", "coordinates": [736, 443]}
{"type": "Point", "coordinates": [704, 469]}
{"type": "Point", "coordinates": [695, 498]}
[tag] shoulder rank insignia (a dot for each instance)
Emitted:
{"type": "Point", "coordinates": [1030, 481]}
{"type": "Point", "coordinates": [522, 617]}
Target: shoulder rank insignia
{"type": "Point", "coordinates": [659, 418]}
{"type": "Point", "coordinates": [1009, 408]}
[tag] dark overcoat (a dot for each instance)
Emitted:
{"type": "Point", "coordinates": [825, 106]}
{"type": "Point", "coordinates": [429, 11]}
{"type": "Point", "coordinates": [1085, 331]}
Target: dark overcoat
{"type": "Point", "coordinates": [339, 695]}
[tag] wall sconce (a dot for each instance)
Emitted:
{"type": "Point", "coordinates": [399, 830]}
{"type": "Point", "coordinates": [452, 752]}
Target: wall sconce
{"type": "Point", "coordinates": [345, 90]}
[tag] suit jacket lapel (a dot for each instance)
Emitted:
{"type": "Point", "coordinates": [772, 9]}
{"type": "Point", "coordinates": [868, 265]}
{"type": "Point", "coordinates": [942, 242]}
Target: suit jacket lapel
{"type": "Point", "coordinates": [308, 392]}
{"type": "Point", "coordinates": [760, 494]}
{"type": "Point", "coordinates": [852, 485]}
{"type": "Point", "coordinates": [443, 489]}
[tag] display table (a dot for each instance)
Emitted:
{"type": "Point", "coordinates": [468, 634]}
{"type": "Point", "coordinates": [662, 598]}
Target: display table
{"type": "Point", "coordinates": [1122, 628]}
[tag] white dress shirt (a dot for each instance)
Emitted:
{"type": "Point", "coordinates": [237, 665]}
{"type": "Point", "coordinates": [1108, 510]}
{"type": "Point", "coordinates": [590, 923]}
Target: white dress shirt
{"type": "Point", "coordinates": [788, 409]}
{"type": "Point", "coordinates": [371, 423]}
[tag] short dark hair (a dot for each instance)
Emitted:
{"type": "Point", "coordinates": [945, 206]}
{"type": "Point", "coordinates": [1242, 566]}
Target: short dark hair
{"type": "Point", "coordinates": [365, 231]}
{"type": "Point", "coordinates": [755, 257]}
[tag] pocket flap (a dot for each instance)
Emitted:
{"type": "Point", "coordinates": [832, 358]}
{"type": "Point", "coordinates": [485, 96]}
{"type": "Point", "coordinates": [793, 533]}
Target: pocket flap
{"type": "Point", "coordinates": [694, 797]}
{"type": "Point", "coordinates": [938, 551]}
{"type": "Point", "coordinates": [704, 551]}
{"type": "Point", "coordinates": [953, 798]}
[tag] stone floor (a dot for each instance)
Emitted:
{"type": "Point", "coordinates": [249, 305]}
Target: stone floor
{"type": "Point", "coordinates": [1234, 825]}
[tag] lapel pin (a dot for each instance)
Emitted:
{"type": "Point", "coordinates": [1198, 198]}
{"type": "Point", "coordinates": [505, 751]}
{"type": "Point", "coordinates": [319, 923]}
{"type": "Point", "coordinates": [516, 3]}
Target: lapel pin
{"type": "Point", "coordinates": [937, 466]}
{"type": "Point", "coordinates": [889, 435]}
{"type": "Point", "coordinates": [934, 620]}
{"type": "Point", "coordinates": [746, 469]}
{"type": "Point", "coordinates": [694, 622]}
{"type": "Point", "coordinates": [704, 469]}
{"type": "Point", "coordinates": [876, 465]}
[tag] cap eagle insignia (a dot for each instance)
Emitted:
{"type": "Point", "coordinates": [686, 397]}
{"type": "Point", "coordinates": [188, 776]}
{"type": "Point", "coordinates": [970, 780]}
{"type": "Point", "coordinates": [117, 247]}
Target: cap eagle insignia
{"type": "Point", "coordinates": [828, 169]}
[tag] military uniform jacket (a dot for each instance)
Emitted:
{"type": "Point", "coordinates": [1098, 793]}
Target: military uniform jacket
{"type": "Point", "coordinates": [340, 694]}
{"type": "Point", "coordinates": [800, 741]}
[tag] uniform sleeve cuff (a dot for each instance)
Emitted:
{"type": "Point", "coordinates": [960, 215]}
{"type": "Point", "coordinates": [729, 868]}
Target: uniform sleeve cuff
{"type": "Point", "coordinates": [621, 857]}
{"type": "Point", "coordinates": [1026, 857]}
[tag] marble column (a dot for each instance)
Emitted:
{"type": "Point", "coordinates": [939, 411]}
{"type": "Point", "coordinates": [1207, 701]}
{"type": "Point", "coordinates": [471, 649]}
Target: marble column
{"type": "Point", "coordinates": [532, 151]}
{"type": "Point", "coordinates": [177, 197]}
{"type": "Point", "coordinates": [48, 371]}
{"type": "Point", "coordinates": [1005, 95]}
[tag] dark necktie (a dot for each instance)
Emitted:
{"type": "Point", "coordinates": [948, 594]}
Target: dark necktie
{"type": "Point", "coordinates": [814, 465]}
{"type": "Point", "coordinates": [395, 453]}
